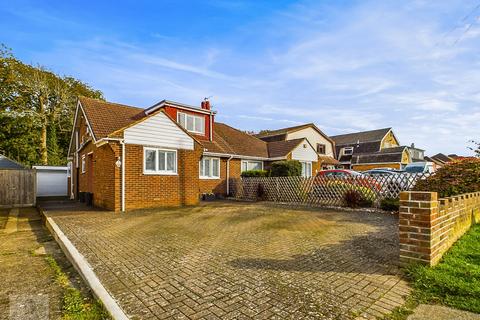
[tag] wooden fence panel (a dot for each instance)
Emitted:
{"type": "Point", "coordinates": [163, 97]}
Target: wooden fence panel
{"type": "Point", "coordinates": [17, 188]}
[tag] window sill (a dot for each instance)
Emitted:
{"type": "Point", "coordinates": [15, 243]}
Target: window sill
{"type": "Point", "coordinates": [209, 178]}
{"type": "Point", "coordinates": [160, 173]}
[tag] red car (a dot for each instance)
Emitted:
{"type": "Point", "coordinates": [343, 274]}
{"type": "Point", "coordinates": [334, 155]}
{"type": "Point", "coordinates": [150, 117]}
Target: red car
{"type": "Point", "coordinates": [343, 175]}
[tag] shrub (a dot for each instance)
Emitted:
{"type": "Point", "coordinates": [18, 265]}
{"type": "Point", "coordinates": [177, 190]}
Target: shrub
{"type": "Point", "coordinates": [254, 173]}
{"type": "Point", "coordinates": [457, 177]}
{"type": "Point", "coordinates": [390, 204]}
{"type": "Point", "coordinates": [356, 198]}
{"type": "Point", "coordinates": [366, 192]}
{"type": "Point", "coordinates": [287, 168]}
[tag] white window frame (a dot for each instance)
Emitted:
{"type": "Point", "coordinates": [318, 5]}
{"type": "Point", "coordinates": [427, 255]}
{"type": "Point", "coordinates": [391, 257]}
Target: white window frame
{"type": "Point", "coordinates": [195, 119]}
{"type": "Point", "coordinates": [157, 171]}
{"type": "Point", "coordinates": [83, 164]}
{"type": "Point", "coordinates": [348, 148]}
{"type": "Point", "coordinates": [304, 163]}
{"type": "Point", "coordinates": [210, 164]}
{"type": "Point", "coordinates": [247, 162]}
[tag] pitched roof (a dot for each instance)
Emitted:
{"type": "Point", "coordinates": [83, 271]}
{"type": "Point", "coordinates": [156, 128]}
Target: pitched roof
{"type": "Point", "coordinates": [277, 149]}
{"type": "Point", "coordinates": [281, 131]}
{"type": "Point", "coordinates": [106, 117]}
{"type": "Point", "coordinates": [233, 141]}
{"type": "Point", "coordinates": [280, 134]}
{"type": "Point", "coordinates": [364, 136]}
{"type": "Point", "coordinates": [387, 155]}
{"type": "Point", "coordinates": [6, 163]}
{"type": "Point", "coordinates": [442, 158]}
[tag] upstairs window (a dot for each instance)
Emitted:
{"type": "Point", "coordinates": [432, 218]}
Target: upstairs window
{"type": "Point", "coordinates": [159, 161]}
{"type": "Point", "coordinates": [192, 123]}
{"type": "Point", "coordinates": [320, 148]}
{"type": "Point", "coordinates": [348, 150]}
{"type": "Point", "coordinates": [210, 168]}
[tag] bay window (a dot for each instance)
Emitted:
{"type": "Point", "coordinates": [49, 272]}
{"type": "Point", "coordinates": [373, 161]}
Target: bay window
{"type": "Point", "coordinates": [210, 168]}
{"type": "Point", "coordinates": [159, 161]}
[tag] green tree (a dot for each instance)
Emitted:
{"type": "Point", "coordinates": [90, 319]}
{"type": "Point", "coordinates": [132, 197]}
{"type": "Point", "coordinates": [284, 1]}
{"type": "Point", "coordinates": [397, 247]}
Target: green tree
{"type": "Point", "coordinates": [37, 108]}
{"type": "Point", "coordinates": [476, 147]}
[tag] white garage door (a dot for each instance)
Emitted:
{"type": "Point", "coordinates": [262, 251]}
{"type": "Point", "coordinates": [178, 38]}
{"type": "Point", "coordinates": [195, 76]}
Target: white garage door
{"type": "Point", "coordinates": [52, 182]}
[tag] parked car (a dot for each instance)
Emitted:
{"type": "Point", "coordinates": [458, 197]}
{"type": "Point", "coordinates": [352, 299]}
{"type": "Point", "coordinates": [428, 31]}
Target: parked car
{"type": "Point", "coordinates": [419, 167]}
{"type": "Point", "coordinates": [343, 175]}
{"type": "Point", "coordinates": [393, 181]}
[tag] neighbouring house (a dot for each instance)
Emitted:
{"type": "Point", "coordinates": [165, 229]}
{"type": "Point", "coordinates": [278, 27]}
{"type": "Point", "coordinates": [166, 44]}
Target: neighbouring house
{"type": "Point", "coordinates": [322, 144]}
{"type": "Point", "coordinates": [416, 154]}
{"type": "Point", "coordinates": [9, 164]}
{"type": "Point", "coordinates": [440, 159]}
{"type": "Point", "coordinates": [166, 155]}
{"type": "Point", "coordinates": [371, 149]}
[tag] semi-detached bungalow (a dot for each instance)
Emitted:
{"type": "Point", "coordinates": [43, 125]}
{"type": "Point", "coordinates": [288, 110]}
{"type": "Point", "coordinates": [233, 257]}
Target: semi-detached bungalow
{"type": "Point", "coordinates": [166, 155]}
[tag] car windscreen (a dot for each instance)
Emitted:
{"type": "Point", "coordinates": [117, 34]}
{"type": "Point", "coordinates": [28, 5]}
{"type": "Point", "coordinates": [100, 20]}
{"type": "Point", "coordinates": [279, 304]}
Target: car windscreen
{"type": "Point", "coordinates": [414, 169]}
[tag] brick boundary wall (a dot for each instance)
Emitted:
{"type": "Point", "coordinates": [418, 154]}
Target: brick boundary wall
{"type": "Point", "coordinates": [428, 226]}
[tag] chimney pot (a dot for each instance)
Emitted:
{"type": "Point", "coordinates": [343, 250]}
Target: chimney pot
{"type": "Point", "coordinates": [205, 104]}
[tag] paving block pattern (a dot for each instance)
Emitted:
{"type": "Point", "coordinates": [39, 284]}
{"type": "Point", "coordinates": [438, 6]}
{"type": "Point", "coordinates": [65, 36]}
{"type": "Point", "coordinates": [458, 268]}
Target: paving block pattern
{"type": "Point", "coordinates": [242, 261]}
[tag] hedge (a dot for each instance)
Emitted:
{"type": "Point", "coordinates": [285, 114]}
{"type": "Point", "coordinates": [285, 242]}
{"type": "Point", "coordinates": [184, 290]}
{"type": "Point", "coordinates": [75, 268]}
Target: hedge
{"type": "Point", "coordinates": [254, 173]}
{"type": "Point", "coordinates": [286, 168]}
{"type": "Point", "coordinates": [457, 177]}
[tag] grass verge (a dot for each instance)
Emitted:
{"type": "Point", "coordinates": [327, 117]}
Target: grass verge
{"type": "Point", "coordinates": [454, 282]}
{"type": "Point", "coordinates": [75, 305]}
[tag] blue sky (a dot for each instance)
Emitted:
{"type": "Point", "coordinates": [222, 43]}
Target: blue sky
{"type": "Point", "coordinates": [344, 65]}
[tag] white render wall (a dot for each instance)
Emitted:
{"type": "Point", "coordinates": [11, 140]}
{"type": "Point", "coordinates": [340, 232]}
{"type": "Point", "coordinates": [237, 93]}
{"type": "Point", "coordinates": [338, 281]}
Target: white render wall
{"type": "Point", "coordinates": [158, 131]}
{"type": "Point", "coordinates": [304, 152]}
{"type": "Point", "coordinates": [313, 137]}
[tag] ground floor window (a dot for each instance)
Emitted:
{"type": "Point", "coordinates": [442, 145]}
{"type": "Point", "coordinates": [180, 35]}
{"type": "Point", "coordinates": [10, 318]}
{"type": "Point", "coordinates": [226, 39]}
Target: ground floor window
{"type": "Point", "coordinates": [306, 169]}
{"type": "Point", "coordinates": [159, 161]}
{"type": "Point", "coordinates": [251, 165]}
{"type": "Point", "coordinates": [210, 168]}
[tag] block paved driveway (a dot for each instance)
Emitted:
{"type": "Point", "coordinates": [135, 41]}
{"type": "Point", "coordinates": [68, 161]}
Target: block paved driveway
{"type": "Point", "coordinates": [230, 260]}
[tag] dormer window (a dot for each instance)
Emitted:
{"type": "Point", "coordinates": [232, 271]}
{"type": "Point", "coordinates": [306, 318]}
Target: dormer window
{"type": "Point", "coordinates": [348, 150]}
{"type": "Point", "coordinates": [320, 148]}
{"type": "Point", "coordinates": [192, 123]}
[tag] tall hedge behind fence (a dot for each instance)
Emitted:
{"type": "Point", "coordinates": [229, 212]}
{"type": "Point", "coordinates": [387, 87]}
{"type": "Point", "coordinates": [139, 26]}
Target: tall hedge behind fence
{"type": "Point", "coordinates": [322, 190]}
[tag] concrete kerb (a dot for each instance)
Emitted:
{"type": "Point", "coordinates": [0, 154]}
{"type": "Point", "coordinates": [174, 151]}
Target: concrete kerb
{"type": "Point", "coordinates": [83, 268]}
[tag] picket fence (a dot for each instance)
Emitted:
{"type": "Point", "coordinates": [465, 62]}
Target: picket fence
{"type": "Point", "coordinates": [322, 190]}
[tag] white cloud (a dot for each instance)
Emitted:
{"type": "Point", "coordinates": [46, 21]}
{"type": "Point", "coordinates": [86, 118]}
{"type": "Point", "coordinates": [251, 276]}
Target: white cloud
{"type": "Point", "coordinates": [413, 66]}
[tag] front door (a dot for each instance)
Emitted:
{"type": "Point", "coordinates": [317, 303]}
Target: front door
{"type": "Point", "coordinates": [90, 172]}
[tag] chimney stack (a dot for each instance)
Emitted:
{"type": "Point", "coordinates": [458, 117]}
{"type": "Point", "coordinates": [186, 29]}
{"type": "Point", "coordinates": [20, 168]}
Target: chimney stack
{"type": "Point", "coordinates": [205, 104]}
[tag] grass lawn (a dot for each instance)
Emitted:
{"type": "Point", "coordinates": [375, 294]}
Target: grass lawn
{"type": "Point", "coordinates": [75, 305]}
{"type": "Point", "coordinates": [454, 282]}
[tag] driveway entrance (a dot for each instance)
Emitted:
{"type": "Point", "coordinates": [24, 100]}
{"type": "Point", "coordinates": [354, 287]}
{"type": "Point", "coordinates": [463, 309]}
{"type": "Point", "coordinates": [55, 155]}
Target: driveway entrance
{"type": "Point", "coordinates": [242, 261]}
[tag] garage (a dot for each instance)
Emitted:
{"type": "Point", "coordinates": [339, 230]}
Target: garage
{"type": "Point", "coordinates": [52, 181]}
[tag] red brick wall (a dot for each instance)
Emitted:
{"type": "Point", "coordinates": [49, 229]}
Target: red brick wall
{"type": "Point", "coordinates": [105, 190]}
{"type": "Point", "coordinates": [143, 191]}
{"type": "Point", "coordinates": [106, 175]}
{"type": "Point", "coordinates": [219, 186]}
{"type": "Point", "coordinates": [428, 226]}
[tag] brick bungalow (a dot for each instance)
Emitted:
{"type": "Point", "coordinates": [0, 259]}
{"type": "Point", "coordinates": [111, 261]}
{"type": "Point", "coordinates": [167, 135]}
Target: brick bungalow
{"type": "Point", "coordinates": [166, 155]}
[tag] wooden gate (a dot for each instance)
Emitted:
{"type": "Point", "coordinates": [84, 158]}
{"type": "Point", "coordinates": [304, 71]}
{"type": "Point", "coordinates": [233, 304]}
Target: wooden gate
{"type": "Point", "coordinates": [17, 188]}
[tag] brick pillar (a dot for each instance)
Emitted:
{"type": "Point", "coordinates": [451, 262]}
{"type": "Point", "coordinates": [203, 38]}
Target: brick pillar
{"type": "Point", "coordinates": [418, 215]}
